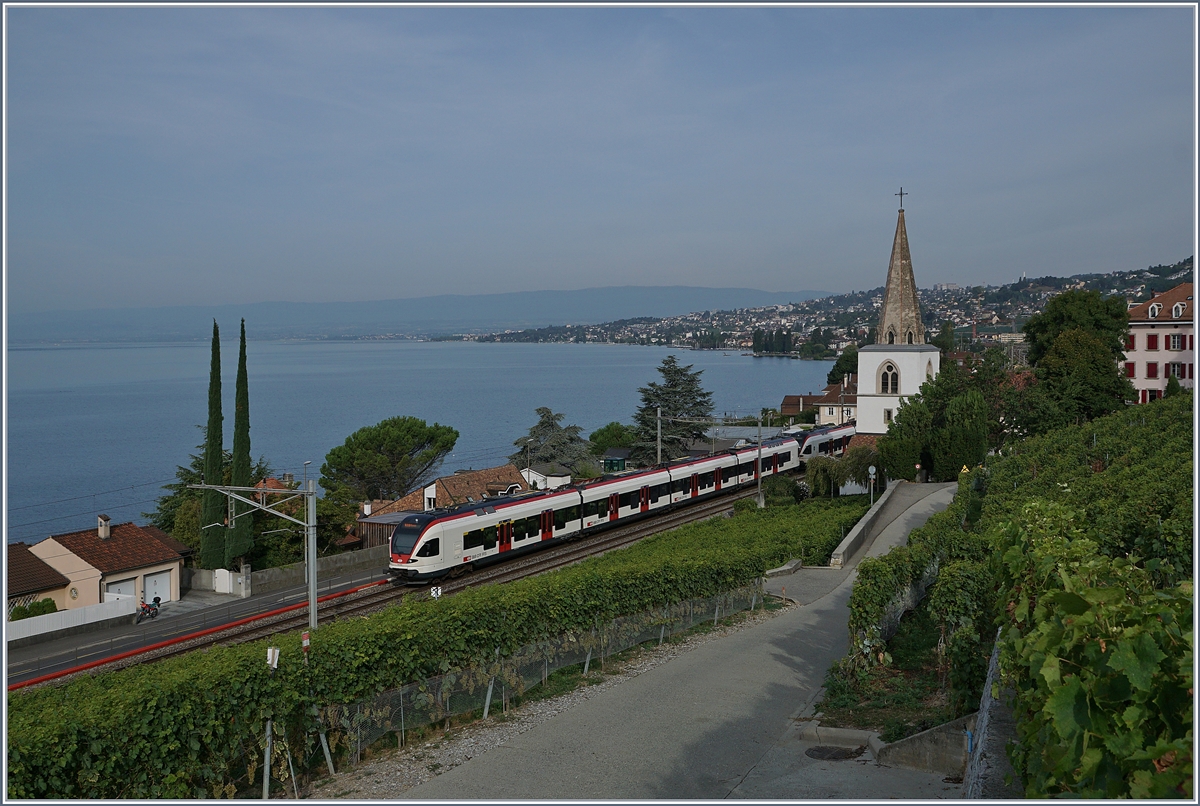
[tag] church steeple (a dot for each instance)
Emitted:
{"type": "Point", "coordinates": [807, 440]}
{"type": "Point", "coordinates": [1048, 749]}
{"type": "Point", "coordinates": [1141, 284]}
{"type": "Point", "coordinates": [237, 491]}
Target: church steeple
{"type": "Point", "coordinates": [900, 317]}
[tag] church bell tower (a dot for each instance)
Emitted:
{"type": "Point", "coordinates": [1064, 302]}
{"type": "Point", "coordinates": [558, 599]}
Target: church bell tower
{"type": "Point", "coordinates": [900, 361]}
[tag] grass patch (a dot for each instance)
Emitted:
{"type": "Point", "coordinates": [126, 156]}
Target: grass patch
{"type": "Point", "coordinates": [903, 698]}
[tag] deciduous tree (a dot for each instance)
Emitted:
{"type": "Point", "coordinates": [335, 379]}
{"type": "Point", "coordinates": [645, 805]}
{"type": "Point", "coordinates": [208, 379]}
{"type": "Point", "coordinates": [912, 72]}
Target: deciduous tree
{"type": "Point", "coordinates": [1106, 318]}
{"type": "Point", "coordinates": [846, 364]}
{"type": "Point", "coordinates": [613, 435]}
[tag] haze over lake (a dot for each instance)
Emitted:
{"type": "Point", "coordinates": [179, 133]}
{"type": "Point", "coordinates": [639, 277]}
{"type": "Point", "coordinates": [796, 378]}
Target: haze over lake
{"type": "Point", "coordinates": [100, 428]}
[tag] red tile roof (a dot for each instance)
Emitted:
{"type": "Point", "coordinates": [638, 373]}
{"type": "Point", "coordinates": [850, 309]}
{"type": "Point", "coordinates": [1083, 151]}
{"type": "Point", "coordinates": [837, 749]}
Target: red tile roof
{"type": "Point", "coordinates": [1179, 294]}
{"type": "Point", "coordinates": [471, 485]}
{"type": "Point", "coordinates": [128, 547]}
{"type": "Point", "coordinates": [162, 537]}
{"type": "Point", "coordinates": [863, 439]}
{"type": "Point", "coordinates": [28, 573]}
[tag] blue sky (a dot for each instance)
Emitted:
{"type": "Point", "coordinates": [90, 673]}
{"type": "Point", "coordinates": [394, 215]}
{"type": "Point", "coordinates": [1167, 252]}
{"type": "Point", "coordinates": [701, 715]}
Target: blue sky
{"type": "Point", "coordinates": [172, 156]}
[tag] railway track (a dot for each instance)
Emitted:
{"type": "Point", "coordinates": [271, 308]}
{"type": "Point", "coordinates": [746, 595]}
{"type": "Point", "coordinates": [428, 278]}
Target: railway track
{"type": "Point", "coordinates": [377, 596]}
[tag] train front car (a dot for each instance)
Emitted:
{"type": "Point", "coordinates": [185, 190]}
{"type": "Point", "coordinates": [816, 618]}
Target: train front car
{"type": "Point", "coordinates": [415, 547]}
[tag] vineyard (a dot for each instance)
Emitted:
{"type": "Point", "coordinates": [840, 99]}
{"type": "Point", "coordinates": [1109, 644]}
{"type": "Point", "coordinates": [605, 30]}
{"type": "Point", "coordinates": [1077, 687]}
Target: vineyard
{"type": "Point", "coordinates": [1078, 545]}
{"type": "Point", "coordinates": [193, 726]}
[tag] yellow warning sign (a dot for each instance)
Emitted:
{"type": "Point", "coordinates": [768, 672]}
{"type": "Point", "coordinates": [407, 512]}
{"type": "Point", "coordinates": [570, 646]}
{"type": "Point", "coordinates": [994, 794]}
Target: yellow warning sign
{"type": "Point", "coordinates": [964, 470]}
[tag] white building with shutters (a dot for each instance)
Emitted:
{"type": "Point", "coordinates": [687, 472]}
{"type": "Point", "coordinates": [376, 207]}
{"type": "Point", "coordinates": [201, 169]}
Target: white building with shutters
{"type": "Point", "coordinates": [1161, 343]}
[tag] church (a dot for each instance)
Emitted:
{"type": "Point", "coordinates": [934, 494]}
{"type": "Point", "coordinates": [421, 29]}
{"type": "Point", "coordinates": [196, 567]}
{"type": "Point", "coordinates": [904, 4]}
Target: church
{"type": "Point", "coordinates": [900, 361]}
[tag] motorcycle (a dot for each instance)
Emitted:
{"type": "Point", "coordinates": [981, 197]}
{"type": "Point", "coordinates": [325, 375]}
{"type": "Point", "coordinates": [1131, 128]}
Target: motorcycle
{"type": "Point", "coordinates": [148, 610]}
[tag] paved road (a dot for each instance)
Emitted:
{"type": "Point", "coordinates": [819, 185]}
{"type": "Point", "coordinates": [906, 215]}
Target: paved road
{"type": "Point", "coordinates": [196, 610]}
{"type": "Point", "coordinates": [716, 722]}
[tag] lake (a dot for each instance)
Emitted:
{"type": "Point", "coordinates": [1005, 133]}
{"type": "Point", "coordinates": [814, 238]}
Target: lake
{"type": "Point", "coordinates": [100, 428]}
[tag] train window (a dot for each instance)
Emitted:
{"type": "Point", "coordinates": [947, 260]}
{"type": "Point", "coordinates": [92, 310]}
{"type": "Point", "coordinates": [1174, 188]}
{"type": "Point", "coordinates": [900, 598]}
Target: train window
{"type": "Point", "coordinates": [706, 479]}
{"type": "Point", "coordinates": [807, 450]}
{"type": "Point", "coordinates": [596, 508]}
{"type": "Point", "coordinates": [526, 527]}
{"type": "Point", "coordinates": [785, 457]}
{"type": "Point", "coordinates": [473, 540]}
{"type": "Point", "coordinates": [564, 516]}
{"type": "Point", "coordinates": [681, 485]}
{"type": "Point", "coordinates": [659, 490]}
{"type": "Point", "coordinates": [727, 474]}
{"type": "Point", "coordinates": [629, 500]}
{"type": "Point", "coordinates": [432, 548]}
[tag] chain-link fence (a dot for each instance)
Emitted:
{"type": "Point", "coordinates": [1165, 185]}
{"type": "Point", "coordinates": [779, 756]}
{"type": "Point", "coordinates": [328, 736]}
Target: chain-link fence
{"type": "Point", "coordinates": [489, 686]}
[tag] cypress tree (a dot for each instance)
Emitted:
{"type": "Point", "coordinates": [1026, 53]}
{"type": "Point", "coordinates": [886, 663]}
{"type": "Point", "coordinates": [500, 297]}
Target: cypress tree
{"type": "Point", "coordinates": [212, 507]}
{"type": "Point", "coordinates": [240, 538]}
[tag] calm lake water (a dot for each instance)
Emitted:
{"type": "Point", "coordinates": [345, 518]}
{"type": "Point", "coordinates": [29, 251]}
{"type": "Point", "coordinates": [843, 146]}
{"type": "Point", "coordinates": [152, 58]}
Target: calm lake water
{"type": "Point", "coordinates": [100, 428]}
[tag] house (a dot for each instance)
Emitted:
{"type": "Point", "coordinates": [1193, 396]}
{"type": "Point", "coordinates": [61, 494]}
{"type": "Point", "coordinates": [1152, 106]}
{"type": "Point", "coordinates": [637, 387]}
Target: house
{"type": "Point", "coordinates": [270, 484]}
{"type": "Point", "coordinates": [839, 404]}
{"type": "Point", "coordinates": [124, 559]}
{"type": "Point", "coordinates": [463, 487]}
{"type": "Point", "coordinates": [30, 579]}
{"type": "Point", "coordinates": [1161, 343]}
{"type": "Point", "coordinates": [546, 476]}
{"type": "Point", "coordinates": [792, 405]}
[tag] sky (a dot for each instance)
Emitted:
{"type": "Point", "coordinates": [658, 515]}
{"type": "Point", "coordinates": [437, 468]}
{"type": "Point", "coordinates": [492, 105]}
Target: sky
{"type": "Point", "coordinates": [208, 155]}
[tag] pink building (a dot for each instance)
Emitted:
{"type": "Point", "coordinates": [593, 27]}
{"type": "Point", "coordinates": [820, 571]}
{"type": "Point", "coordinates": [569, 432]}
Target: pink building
{"type": "Point", "coordinates": [1161, 343]}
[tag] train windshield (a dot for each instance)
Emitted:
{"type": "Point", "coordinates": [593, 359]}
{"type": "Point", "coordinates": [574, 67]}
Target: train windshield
{"type": "Point", "coordinates": [404, 538]}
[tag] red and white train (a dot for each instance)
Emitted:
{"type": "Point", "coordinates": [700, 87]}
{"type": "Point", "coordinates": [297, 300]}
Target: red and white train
{"type": "Point", "coordinates": [426, 545]}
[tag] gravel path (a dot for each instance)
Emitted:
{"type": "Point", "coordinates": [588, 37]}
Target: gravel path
{"type": "Point", "coordinates": [384, 777]}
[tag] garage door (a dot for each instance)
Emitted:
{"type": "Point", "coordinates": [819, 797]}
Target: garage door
{"type": "Point", "coordinates": [126, 587]}
{"type": "Point", "coordinates": [158, 585]}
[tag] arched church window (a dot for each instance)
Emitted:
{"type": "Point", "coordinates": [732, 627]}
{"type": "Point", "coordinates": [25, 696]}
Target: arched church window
{"type": "Point", "coordinates": [910, 337]}
{"type": "Point", "coordinates": [891, 337]}
{"type": "Point", "coordinates": [929, 369]}
{"type": "Point", "coordinates": [889, 380]}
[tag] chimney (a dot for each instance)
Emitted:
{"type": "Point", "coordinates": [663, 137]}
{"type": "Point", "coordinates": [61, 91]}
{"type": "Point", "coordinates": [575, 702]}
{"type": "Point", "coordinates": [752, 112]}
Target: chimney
{"type": "Point", "coordinates": [102, 527]}
{"type": "Point", "coordinates": [366, 508]}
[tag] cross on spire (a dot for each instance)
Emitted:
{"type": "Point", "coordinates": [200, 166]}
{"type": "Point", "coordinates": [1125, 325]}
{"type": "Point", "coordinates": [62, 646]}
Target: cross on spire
{"type": "Point", "coordinates": [901, 194]}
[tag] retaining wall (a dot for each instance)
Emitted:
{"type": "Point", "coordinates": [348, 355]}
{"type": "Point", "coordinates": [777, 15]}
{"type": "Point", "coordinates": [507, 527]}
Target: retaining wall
{"type": "Point", "coordinates": [988, 765]}
{"type": "Point", "coordinates": [271, 579]}
{"type": "Point", "coordinates": [853, 541]}
{"type": "Point", "coordinates": [942, 749]}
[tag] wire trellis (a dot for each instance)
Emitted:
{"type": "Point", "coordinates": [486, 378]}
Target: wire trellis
{"type": "Point", "coordinates": [489, 685]}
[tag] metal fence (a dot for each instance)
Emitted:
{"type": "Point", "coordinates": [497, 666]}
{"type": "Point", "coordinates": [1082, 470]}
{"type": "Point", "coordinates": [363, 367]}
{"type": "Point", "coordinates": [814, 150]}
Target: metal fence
{"type": "Point", "coordinates": [488, 686]}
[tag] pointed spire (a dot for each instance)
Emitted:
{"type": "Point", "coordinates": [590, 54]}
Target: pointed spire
{"type": "Point", "coordinates": [900, 317]}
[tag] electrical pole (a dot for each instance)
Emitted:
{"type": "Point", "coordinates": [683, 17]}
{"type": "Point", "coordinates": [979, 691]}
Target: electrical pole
{"type": "Point", "coordinates": [309, 493]}
{"type": "Point", "coordinates": [658, 423]}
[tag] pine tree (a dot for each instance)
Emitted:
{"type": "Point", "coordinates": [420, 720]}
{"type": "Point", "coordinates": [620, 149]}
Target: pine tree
{"type": "Point", "coordinates": [212, 509]}
{"type": "Point", "coordinates": [549, 442]}
{"type": "Point", "coordinates": [240, 537]}
{"type": "Point", "coordinates": [680, 395]}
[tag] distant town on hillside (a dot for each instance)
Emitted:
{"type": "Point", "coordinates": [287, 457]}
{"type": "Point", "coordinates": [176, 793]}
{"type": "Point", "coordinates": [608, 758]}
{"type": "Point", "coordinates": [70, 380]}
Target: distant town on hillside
{"type": "Point", "coordinates": [819, 328]}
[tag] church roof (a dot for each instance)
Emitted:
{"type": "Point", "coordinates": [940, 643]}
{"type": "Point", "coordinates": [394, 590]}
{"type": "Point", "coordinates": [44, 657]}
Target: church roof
{"type": "Point", "coordinates": [900, 314]}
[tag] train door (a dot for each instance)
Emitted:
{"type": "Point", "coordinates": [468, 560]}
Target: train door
{"type": "Point", "coordinates": [547, 524]}
{"type": "Point", "coordinates": [718, 475]}
{"type": "Point", "coordinates": [506, 535]}
{"type": "Point", "coordinates": [614, 506]}
{"type": "Point", "coordinates": [756, 468]}
{"type": "Point", "coordinates": [775, 463]}
{"type": "Point", "coordinates": [644, 499]}
{"type": "Point", "coordinates": [695, 484]}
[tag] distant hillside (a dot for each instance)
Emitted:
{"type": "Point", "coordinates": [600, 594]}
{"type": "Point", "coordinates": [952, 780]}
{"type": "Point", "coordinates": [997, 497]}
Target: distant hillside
{"type": "Point", "coordinates": [419, 317]}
